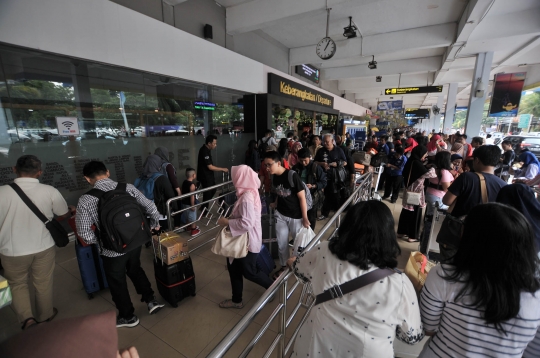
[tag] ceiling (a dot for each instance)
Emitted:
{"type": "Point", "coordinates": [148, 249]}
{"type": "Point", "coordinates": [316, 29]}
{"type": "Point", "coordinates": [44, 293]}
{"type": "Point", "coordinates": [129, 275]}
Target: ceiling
{"type": "Point", "coordinates": [415, 42]}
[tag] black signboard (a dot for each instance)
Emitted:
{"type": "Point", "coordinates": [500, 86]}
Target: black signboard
{"type": "Point", "coordinates": [286, 88]}
{"type": "Point", "coordinates": [209, 106]}
{"type": "Point", "coordinates": [416, 113]}
{"type": "Point", "coordinates": [411, 90]}
{"type": "Point", "coordinates": [308, 71]}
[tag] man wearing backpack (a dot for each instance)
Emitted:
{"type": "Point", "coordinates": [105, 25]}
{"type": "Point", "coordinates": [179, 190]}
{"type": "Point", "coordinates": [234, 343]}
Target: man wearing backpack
{"type": "Point", "coordinates": [315, 179]}
{"type": "Point", "coordinates": [118, 260]}
{"type": "Point", "coordinates": [266, 141]}
{"type": "Point", "coordinates": [291, 204]}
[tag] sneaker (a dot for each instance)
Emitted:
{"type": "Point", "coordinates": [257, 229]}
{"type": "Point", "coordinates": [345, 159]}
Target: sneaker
{"type": "Point", "coordinates": [322, 217]}
{"type": "Point", "coordinates": [123, 322]}
{"type": "Point", "coordinates": [154, 306]}
{"type": "Point", "coordinates": [291, 243]}
{"type": "Point", "coordinates": [195, 232]}
{"type": "Point", "coordinates": [231, 304]}
{"type": "Point", "coordinates": [384, 197]}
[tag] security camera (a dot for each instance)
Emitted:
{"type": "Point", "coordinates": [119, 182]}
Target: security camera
{"type": "Point", "coordinates": [350, 31]}
{"type": "Point", "coordinates": [372, 64]}
{"type": "Point", "coordinates": [378, 78]}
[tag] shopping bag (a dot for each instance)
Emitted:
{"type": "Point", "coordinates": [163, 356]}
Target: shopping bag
{"type": "Point", "coordinates": [303, 238]}
{"type": "Point", "coordinates": [417, 269]}
{"type": "Point", "coordinates": [5, 293]}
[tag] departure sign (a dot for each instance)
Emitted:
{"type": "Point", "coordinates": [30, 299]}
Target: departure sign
{"type": "Point", "coordinates": [410, 90]}
{"type": "Point", "coordinates": [209, 106]}
{"type": "Point", "coordinates": [308, 71]}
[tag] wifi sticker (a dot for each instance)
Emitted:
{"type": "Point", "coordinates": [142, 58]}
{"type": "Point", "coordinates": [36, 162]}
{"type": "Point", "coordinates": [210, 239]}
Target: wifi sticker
{"type": "Point", "coordinates": [67, 126]}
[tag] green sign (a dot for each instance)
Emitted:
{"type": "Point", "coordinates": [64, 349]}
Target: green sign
{"type": "Point", "coordinates": [524, 120]}
{"type": "Point", "coordinates": [209, 106]}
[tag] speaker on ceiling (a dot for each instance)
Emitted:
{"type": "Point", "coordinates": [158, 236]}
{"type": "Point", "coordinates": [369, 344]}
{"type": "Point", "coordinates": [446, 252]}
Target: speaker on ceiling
{"type": "Point", "coordinates": [208, 32]}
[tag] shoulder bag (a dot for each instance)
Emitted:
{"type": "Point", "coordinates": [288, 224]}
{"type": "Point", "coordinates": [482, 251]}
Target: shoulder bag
{"type": "Point", "coordinates": [231, 246]}
{"type": "Point", "coordinates": [338, 291]}
{"type": "Point", "coordinates": [452, 226]}
{"type": "Point", "coordinates": [58, 233]}
{"type": "Point", "coordinates": [412, 198]}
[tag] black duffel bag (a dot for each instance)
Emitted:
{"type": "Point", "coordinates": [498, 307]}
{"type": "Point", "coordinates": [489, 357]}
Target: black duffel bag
{"type": "Point", "coordinates": [378, 159]}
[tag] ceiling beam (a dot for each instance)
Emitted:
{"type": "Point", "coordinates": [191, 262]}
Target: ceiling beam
{"type": "Point", "coordinates": [383, 68]}
{"type": "Point", "coordinates": [474, 11]}
{"type": "Point", "coordinates": [523, 50]}
{"type": "Point", "coordinates": [408, 80]}
{"type": "Point", "coordinates": [417, 38]}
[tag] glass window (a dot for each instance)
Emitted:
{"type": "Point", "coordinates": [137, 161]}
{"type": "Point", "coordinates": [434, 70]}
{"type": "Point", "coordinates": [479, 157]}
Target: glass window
{"type": "Point", "coordinates": [122, 116]}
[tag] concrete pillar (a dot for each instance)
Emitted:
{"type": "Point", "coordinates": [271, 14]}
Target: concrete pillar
{"type": "Point", "coordinates": [482, 68]}
{"type": "Point", "coordinates": [450, 112]}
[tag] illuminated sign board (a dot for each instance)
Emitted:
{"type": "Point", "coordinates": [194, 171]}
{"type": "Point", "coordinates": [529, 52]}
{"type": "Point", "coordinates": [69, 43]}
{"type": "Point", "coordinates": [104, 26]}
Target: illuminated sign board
{"type": "Point", "coordinates": [416, 113]}
{"type": "Point", "coordinates": [411, 90]}
{"type": "Point", "coordinates": [286, 88]}
{"type": "Point", "coordinates": [209, 106]}
{"type": "Point", "coordinates": [308, 71]}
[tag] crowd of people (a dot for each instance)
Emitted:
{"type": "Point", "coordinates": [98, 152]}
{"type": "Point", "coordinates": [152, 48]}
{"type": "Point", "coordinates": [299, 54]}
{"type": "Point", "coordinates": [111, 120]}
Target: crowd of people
{"type": "Point", "coordinates": [482, 300]}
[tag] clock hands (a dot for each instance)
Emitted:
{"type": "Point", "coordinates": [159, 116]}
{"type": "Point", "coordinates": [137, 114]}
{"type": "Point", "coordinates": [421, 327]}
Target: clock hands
{"type": "Point", "coordinates": [328, 43]}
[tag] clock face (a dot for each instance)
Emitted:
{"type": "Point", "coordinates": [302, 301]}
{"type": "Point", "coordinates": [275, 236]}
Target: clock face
{"type": "Point", "coordinates": [326, 48]}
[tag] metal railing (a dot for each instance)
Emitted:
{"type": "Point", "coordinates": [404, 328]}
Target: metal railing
{"type": "Point", "coordinates": [363, 192]}
{"type": "Point", "coordinates": [206, 216]}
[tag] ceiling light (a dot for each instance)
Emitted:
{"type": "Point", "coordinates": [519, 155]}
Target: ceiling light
{"type": "Point", "coordinates": [378, 78]}
{"type": "Point", "coordinates": [350, 31]}
{"type": "Point", "coordinates": [372, 64]}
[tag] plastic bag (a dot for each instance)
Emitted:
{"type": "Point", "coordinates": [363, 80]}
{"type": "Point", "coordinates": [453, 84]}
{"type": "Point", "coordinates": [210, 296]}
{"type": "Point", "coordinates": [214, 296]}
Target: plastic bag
{"type": "Point", "coordinates": [303, 238]}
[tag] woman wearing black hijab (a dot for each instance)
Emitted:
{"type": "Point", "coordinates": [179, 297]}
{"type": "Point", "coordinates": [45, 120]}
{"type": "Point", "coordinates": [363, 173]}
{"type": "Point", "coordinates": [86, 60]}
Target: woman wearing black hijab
{"type": "Point", "coordinates": [521, 197]}
{"type": "Point", "coordinates": [414, 174]}
{"type": "Point", "coordinates": [167, 168]}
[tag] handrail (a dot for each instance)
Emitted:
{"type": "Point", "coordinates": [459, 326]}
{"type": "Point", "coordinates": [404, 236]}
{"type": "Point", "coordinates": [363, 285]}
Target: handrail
{"type": "Point", "coordinates": [223, 210]}
{"type": "Point", "coordinates": [362, 192]}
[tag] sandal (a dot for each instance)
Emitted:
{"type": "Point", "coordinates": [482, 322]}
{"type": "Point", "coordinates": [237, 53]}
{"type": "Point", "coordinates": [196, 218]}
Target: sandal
{"type": "Point", "coordinates": [277, 273]}
{"type": "Point", "coordinates": [29, 322]}
{"type": "Point", "coordinates": [231, 304]}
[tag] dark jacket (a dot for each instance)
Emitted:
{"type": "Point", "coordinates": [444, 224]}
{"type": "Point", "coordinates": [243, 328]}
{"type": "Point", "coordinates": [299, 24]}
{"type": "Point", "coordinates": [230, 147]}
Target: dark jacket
{"type": "Point", "coordinates": [315, 175]}
{"type": "Point", "coordinates": [163, 191]}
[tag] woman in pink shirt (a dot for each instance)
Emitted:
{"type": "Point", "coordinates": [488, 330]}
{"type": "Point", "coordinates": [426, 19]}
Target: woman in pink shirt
{"type": "Point", "coordinates": [245, 217]}
{"type": "Point", "coordinates": [436, 189]}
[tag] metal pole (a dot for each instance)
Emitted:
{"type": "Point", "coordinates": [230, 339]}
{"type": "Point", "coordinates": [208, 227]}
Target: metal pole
{"type": "Point", "coordinates": [282, 320]}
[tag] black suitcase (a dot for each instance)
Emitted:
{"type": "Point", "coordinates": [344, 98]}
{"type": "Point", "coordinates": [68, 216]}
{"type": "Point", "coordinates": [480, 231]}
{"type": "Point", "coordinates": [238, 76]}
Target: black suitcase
{"type": "Point", "coordinates": [175, 282]}
{"type": "Point", "coordinates": [268, 224]}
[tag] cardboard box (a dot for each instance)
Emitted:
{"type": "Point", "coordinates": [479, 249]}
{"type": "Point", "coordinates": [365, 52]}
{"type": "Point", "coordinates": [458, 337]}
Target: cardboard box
{"type": "Point", "coordinates": [362, 158]}
{"type": "Point", "coordinates": [171, 247]}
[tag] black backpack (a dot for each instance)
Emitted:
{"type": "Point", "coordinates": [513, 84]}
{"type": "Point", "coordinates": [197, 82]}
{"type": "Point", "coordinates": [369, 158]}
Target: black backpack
{"type": "Point", "coordinates": [123, 225]}
{"type": "Point", "coordinates": [379, 159]}
{"type": "Point", "coordinates": [263, 146]}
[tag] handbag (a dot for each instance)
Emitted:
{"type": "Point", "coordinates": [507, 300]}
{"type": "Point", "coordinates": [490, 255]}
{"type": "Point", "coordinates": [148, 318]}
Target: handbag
{"type": "Point", "coordinates": [58, 233]}
{"type": "Point", "coordinates": [411, 197]}
{"type": "Point", "coordinates": [230, 246]}
{"type": "Point", "coordinates": [417, 269]}
{"type": "Point", "coordinates": [452, 226]}
{"type": "Point", "coordinates": [352, 285]}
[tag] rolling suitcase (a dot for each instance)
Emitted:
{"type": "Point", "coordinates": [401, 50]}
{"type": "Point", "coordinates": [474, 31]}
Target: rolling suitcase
{"type": "Point", "coordinates": [265, 262]}
{"type": "Point", "coordinates": [430, 244]}
{"type": "Point", "coordinates": [175, 282]}
{"type": "Point", "coordinates": [91, 268]}
{"type": "Point", "coordinates": [269, 238]}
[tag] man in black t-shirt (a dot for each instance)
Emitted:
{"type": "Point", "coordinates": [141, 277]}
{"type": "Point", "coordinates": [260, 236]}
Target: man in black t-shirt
{"type": "Point", "coordinates": [290, 204]}
{"type": "Point", "coordinates": [206, 168]}
{"type": "Point", "coordinates": [465, 192]}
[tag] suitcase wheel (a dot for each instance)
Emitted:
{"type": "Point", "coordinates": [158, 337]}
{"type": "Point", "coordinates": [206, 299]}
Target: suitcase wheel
{"type": "Point", "coordinates": [193, 294]}
{"type": "Point", "coordinates": [90, 296]}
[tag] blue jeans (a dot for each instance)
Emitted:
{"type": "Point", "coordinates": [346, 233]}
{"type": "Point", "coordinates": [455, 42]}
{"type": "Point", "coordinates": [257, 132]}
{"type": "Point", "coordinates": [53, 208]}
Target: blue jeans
{"type": "Point", "coordinates": [189, 216]}
{"type": "Point", "coordinates": [431, 199]}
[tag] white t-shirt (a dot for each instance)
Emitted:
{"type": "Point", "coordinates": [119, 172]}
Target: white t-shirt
{"type": "Point", "coordinates": [461, 330]}
{"type": "Point", "coordinates": [21, 231]}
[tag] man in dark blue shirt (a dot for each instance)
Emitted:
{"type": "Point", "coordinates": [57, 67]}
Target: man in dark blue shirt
{"type": "Point", "coordinates": [383, 146]}
{"type": "Point", "coordinates": [394, 174]}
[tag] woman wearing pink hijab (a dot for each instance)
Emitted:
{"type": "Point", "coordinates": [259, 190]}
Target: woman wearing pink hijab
{"type": "Point", "coordinates": [245, 217]}
{"type": "Point", "coordinates": [435, 145]}
{"type": "Point", "coordinates": [411, 144]}
{"type": "Point", "coordinates": [293, 156]}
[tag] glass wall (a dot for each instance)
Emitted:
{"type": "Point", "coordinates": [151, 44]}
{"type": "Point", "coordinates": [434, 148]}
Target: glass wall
{"type": "Point", "coordinates": [122, 116]}
{"type": "Point", "coordinates": [289, 119]}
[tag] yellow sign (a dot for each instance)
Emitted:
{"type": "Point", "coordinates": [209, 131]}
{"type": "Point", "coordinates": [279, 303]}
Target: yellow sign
{"type": "Point", "coordinates": [303, 94]}
{"type": "Point", "coordinates": [410, 90]}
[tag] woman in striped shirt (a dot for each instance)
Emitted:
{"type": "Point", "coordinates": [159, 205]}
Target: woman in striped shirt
{"type": "Point", "coordinates": [486, 301]}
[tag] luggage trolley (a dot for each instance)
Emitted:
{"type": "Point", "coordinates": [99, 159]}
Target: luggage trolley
{"type": "Point", "coordinates": [432, 249]}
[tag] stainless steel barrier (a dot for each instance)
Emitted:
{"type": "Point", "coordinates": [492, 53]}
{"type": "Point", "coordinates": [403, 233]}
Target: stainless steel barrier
{"type": "Point", "coordinates": [280, 288]}
{"type": "Point", "coordinates": [206, 216]}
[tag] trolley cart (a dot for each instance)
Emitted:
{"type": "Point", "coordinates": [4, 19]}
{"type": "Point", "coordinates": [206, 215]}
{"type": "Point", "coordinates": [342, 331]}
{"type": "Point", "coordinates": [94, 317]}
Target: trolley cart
{"type": "Point", "coordinates": [432, 249]}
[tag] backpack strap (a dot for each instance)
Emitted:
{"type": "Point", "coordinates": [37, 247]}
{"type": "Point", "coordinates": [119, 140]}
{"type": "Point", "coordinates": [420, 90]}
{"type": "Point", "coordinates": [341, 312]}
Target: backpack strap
{"type": "Point", "coordinates": [290, 177]}
{"type": "Point", "coordinates": [97, 193]}
{"type": "Point", "coordinates": [121, 186]}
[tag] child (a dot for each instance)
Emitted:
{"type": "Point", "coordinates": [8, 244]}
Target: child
{"type": "Point", "coordinates": [189, 203]}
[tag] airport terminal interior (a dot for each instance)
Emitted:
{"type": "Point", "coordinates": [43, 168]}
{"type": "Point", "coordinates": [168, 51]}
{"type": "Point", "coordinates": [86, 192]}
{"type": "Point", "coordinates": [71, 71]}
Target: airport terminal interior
{"type": "Point", "coordinates": [390, 84]}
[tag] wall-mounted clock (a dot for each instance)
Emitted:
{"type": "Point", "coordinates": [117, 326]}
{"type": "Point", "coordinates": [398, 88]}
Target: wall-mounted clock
{"type": "Point", "coordinates": [326, 48]}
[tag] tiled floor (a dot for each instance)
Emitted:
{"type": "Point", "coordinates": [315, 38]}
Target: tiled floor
{"type": "Point", "coordinates": [192, 329]}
